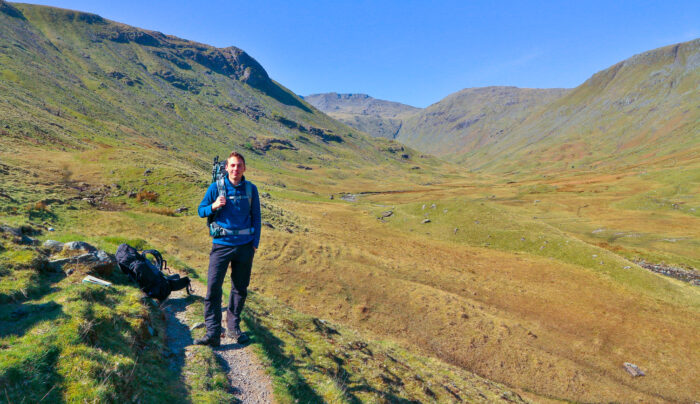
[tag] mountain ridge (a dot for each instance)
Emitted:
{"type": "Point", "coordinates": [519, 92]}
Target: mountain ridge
{"type": "Point", "coordinates": [510, 127]}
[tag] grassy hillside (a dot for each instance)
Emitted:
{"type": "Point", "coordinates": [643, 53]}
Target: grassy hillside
{"type": "Point", "coordinates": [641, 111]}
{"type": "Point", "coordinates": [73, 81]}
{"type": "Point", "coordinates": [472, 118]}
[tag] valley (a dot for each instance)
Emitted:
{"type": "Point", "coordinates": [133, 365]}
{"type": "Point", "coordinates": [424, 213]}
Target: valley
{"type": "Point", "coordinates": [504, 269]}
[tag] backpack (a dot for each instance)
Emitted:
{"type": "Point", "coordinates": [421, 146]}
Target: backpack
{"type": "Point", "coordinates": [149, 276]}
{"type": "Point", "coordinates": [218, 176]}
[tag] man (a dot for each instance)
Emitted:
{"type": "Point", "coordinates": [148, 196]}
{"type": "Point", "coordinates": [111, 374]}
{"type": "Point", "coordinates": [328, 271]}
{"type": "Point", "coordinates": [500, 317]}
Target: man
{"type": "Point", "coordinates": [238, 215]}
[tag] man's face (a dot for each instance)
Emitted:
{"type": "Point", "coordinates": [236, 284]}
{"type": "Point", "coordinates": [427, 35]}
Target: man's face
{"type": "Point", "coordinates": [235, 167]}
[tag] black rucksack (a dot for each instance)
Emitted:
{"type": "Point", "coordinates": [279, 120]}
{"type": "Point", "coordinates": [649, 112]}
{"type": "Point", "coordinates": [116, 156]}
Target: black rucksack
{"type": "Point", "coordinates": [150, 277]}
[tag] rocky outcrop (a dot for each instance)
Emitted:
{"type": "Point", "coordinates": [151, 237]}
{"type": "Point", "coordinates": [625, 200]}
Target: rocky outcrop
{"type": "Point", "coordinates": [326, 135]}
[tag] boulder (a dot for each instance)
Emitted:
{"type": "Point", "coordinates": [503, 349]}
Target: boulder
{"type": "Point", "coordinates": [53, 245]}
{"type": "Point", "coordinates": [26, 240]}
{"type": "Point", "coordinates": [98, 262]}
{"type": "Point", "coordinates": [79, 245]}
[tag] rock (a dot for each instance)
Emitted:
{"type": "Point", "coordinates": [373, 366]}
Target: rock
{"type": "Point", "coordinates": [331, 197]}
{"type": "Point", "coordinates": [456, 230]}
{"type": "Point", "coordinates": [415, 168]}
{"type": "Point", "coordinates": [69, 271]}
{"type": "Point", "coordinates": [26, 240]}
{"type": "Point", "coordinates": [433, 206]}
{"type": "Point", "coordinates": [268, 224]}
{"type": "Point", "coordinates": [633, 369]}
{"type": "Point", "coordinates": [99, 262]}
{"type": "Point", "coordinates": [196, 326]}
{"type": "Point", "coordinates": [304, 167]}
{"type": "Point", "coordinates": [148, 171]}
{"type": "Point", "coordinates": [266, 195]}
{"type": "Point", "coordinates": [627, 267]}
{"type": "Point", "coordinates": [386, 214]}
{"type": "Point", "coordinates": [57, 265]}
{"type": "Point", "coordinates": [53, 245]}
{"type": "Point", "coordinates": [12, 230]}
{"type": "Point", "coordinates": [425, 221]}
{"type": "Point", "coordinates": [79, 245]}
{"type": "Point", "coordinates": [423, 207]}
{"type": "Point", "coordinates": [444, 211]}
{"type": "Point", "coordinates": [182, 209]}
{"type": "Point", "coordinates": [132, 194]}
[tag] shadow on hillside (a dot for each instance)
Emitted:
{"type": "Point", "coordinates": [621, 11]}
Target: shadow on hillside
{"type": "Point", "coordinates": [39, 382]}
{"type": "Point", "coordinates": [272, 346]}
{"type": "Point", "coordinates": [42, 287]}
{"type": "Point", "coordinates": [18, 318]}
{"type": "Point", "coordinates": [276, 91]}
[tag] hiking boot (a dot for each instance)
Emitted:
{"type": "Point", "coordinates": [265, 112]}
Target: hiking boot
{"type": "Point", "coordinates": [208, 340]}
{"type": "Point", "coordinates": [238, 336]}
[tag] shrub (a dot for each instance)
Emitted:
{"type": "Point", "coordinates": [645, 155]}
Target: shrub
{"type": "Point", "coordinates": [147, 196]}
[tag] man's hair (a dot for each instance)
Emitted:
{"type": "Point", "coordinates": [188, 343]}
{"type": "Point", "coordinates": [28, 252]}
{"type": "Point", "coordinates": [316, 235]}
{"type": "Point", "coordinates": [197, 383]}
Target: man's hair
{"type": "Point", "coordinates": [236, 154]}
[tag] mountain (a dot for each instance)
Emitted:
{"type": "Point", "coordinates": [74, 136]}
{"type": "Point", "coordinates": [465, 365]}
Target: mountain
{"type": "Point", "coordinates": [640, 111]}
{"type": "Point", "coordinates": [471, 118]}
{"type": "Point", "coordinates": [78, 81]}
{"type": "Point", "coordinates": [378, 118]}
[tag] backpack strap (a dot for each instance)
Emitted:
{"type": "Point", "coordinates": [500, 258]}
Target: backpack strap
{"type": "Point", "coordinates": [249, 194]}
{"type": "Point", "coordinates": [160, 262]}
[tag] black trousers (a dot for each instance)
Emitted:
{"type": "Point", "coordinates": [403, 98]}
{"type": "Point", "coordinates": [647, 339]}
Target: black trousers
{"type": "Point", "coordinates": [241, 259]}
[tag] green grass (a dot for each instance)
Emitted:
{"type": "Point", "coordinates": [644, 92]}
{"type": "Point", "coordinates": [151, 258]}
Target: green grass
{"type": "Point", "coordinates": [95, 345]}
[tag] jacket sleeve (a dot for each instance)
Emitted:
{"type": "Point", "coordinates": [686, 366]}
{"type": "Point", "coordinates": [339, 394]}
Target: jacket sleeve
{"type": "Point", "coordinates": [204, 209]}
{"type": "Point", "coordinates": [256, 219]}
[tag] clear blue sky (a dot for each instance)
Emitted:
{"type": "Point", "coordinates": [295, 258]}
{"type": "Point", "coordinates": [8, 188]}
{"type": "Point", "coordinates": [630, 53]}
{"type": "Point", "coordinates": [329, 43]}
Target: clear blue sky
{"type": "Point", "coordinates": [417, 52]}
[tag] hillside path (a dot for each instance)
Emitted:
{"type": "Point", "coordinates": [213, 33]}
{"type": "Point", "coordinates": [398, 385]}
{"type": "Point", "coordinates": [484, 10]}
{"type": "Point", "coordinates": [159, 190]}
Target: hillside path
{"type": "Point", "coordinates": [246, 375]}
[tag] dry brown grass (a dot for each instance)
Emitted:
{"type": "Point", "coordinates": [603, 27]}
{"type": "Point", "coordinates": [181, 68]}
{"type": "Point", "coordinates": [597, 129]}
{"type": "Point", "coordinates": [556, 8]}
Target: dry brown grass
{"type": "Point", "coordinates": [160, 210]}
{"type": "Point", "coordinates": [534, 323]}
{"type": "Point", "coordinates": [146, 196]}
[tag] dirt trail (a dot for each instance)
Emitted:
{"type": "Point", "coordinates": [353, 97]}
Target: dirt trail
{"type": "Point", "coordinates": [249, 382]}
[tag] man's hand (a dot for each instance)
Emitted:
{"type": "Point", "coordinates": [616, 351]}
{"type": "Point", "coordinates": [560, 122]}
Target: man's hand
{"type": "Point", "coordinates": [218, 203]}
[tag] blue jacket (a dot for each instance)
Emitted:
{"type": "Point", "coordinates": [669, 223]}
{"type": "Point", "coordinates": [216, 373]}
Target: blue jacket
{"type": "Point", "coordinates": [236, 214]}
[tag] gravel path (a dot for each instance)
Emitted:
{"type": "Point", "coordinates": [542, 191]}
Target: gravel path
{"type": "Point", "coordinates": [249, 382]}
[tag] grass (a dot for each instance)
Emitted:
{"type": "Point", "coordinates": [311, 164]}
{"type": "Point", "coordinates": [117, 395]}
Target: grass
{"type": "Point", "coordinates": [95, 344]}
{"type": "Point", "coordinates": [313, 360]}
{"type": "Point", "coordinates": [535, 289]}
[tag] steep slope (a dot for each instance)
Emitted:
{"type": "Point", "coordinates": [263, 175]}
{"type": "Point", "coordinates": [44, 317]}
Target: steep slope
{"type": "Point", "coordinates": [78, 81]}
{"type": "Point", "coordinates": [378, 118]}
{"type": "Point", "coordinates": [639, 111]}
{"type": "Point", "coordinates": [471, 118]}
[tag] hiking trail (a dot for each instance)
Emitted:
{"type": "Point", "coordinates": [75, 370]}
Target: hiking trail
{"type": "Point", "coordinates": [246, 375]}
